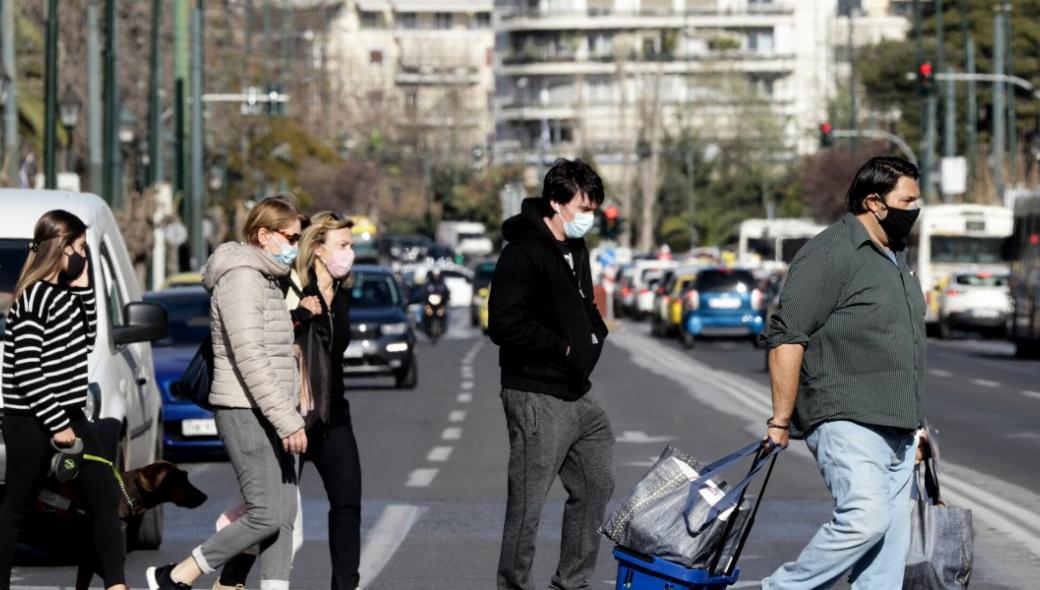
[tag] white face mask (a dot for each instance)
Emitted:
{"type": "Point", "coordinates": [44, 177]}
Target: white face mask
{"type": "Point", "coordinates": [579, 226]}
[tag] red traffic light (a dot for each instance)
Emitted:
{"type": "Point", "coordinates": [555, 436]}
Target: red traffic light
{"type": "Point", "coordinates": [825, 128]}
{"type": "Point", "coordinates": [611, 212]}
{"type": "Point", "coordinates": [925, 69]}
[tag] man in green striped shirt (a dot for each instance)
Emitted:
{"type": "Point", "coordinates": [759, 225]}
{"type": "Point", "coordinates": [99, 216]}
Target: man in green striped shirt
{"type": "Point", "coordinates": [846, 361]}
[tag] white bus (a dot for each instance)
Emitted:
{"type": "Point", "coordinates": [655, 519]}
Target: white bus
{"type": "Point", "coordinates": [772, 243]}
{"type": "Point", "coordinates": [949, 238]}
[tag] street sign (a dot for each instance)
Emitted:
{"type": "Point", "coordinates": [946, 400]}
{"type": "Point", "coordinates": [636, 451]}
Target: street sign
{"type": "Point", "coordinates": [176, 234]}
{"type": "Point", "coordinates": [954, 176]}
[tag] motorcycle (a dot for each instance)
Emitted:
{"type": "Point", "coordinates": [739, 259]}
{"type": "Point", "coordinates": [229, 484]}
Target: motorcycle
{"type": "Point", "coordinates": [435, 310]}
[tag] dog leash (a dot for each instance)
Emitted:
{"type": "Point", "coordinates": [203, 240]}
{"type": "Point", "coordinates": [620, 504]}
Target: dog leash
{"type": "Point", "coordinates": [119, 478]}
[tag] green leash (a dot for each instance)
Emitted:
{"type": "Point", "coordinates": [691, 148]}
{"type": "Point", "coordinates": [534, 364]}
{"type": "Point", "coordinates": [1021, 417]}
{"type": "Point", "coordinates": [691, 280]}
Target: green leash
{"type": "Point", "coordinates": [119, 477]}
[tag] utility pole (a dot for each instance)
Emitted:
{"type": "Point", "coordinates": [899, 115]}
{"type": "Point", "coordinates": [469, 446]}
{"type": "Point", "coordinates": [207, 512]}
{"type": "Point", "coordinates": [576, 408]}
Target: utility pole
{"type": "Point", "coordinates": [180, 77]}
{"type": "Point", "coordinates": [198, 242]}
{"type": "Point", "coordinates": [50, 113]}
{"type": "Point", "coordinates": [155, 139]}
{"type": "Point", "coordinates": [11, 107]}
{"type": "Point", "coordinates": [853, 119]}
{"type": "Point", "coordinates": [972, 108]}
{"type": "Point", "coordinates": [691, 186]}
{"type": "Point", "coordinates": [1009, 48]}
{"type": "Point", "coordinates": [927, 106]}
{"type": "Point", "coordinates": [998, 103]}
{"type": "Point", "coordinates": [95, 134]}
{"type": "Point", "coordinates": [113, 187]}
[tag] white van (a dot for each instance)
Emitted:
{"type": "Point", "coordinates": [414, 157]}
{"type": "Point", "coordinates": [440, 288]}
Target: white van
{"type": "Point", "coordinates": [124, 401]}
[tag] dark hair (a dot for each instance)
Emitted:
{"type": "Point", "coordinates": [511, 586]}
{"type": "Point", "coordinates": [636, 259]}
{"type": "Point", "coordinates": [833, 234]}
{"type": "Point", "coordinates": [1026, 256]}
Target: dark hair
{"type": "Point", "coordinates": [54, 231]}
{"type": "Point", "coordinates": [878, 177]}
{"type": "Point", "coordinates": [568, 178]}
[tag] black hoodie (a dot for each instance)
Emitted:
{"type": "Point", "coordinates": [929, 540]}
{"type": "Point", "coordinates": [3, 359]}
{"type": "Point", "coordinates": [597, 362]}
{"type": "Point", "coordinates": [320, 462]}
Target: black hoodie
{"type": "Point", "coordinates": [537, 310]}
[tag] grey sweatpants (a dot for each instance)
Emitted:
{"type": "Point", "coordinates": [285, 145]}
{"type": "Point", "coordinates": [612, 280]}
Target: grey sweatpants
{"type": "Point", "coordinates": [267, 477]}
{"type": "Point", "coordinates": [548, 437]}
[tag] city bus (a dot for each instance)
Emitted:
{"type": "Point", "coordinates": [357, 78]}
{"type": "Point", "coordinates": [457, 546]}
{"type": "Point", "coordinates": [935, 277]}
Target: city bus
{"type": "Point", "coordinates": [1024, 256]}
{"type": "Point", "coordinates": [950, 238]}
{"type": "Point", "coordinates": [772, 243]}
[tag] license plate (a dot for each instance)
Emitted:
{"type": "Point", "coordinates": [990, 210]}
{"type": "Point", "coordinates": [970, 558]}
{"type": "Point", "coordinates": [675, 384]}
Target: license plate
{"type": "Point", "coordinates": [354, 351]}
{"type": "Point", "coordinates": [986, 313]}
{"type": "Point", "coordinates": [203, 427]}
{"type": "Point", "coordinates": [724, 303]}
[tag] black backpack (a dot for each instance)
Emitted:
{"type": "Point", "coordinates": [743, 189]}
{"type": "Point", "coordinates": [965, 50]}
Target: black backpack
{"type": "Point", "coordinates": [195, 383]}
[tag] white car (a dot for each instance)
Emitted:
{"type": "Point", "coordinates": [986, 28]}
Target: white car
{"type": "Point", "coordinates": [975, 302]}
{"type": "Point", "coordinates": [459, 281]}
{"type": "Point", "coordinates": [124, 400]}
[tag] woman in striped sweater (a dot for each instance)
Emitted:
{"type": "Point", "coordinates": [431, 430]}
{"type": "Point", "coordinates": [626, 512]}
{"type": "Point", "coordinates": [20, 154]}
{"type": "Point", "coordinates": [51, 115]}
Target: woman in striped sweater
{"type": "Point", "coordinates": [49, 333]}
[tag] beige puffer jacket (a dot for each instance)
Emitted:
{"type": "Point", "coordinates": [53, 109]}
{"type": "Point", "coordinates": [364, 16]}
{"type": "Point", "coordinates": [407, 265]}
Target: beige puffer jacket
{"type": "Point", "coordinates": [253, 363]}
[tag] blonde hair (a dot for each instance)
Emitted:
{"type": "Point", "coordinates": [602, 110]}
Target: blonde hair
{"type": "Point", "coordinates": [54, 231]}
{"type": "Point", "coordinates": [272, 213]}
{"type": "Point", "coordinates": [321, 224]}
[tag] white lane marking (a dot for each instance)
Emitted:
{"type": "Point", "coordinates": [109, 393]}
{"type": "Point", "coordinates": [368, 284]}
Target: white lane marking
{"type": "Point", "coordinates": [464, 398]}
{"type": "Point", "coordinates": [467, 385]}
{"type": "Point", "coordinates": [422, 478]}
{"type": "Point", "coordinates": [648, 463]}
{"type": "Point", "coordinates": [641, 438]}
{"type": "Point", "coordinates": [451, 434]}
{"type": "Point", "coordinates": [985, 383]}
{"type": "Point", "coordinates": [940, 373]}
{"type": "Point", "coordinates": [457, 416]}
{"type": "Point", "coordinates": [439, 454]}
{"type": "Point", "coordinates": [1032, 394]}
{"type": "Point", "coordinates": [467, 372]}
{"type": "Point", "coordinates": [385, 539]}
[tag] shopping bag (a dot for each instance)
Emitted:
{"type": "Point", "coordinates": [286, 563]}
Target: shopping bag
{"type": "Point", "coordinates": [679, 512]}
{"type": "Point", "coordinates": [941, 536]}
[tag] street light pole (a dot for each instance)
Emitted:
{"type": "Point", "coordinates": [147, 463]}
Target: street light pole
{"type": "Point", "coordinates": [69, 108]}
{"type": "Point", "coordinates": [155, 163]}
{"type": "Point", "coordinates": [198, 243]}
{"type": "Point", "coordinates": [95, 135]}
{"type": "Point", "coordinates": [50, 97]}
{"type": "Point", "coordinates": [998, 103]}
{"type": "Point", "coordinates": [10, 106]}
{"type": "Point", "coordinates": [113, 156]}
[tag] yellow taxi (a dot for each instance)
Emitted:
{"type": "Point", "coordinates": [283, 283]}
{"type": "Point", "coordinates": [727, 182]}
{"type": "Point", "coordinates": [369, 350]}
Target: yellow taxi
{"type": "Point", "coordinates": [483, 316]}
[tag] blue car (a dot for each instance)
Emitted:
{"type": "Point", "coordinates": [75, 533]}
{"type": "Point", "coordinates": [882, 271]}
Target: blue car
{"type": "Point", "coordinates": [189, 431]}
{"type": "Point", "coordinates": [723, 302]}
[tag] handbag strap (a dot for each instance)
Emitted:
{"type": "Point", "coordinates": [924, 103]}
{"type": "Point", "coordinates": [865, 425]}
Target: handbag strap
{"type": "Point", "coordinates": [733, 495]}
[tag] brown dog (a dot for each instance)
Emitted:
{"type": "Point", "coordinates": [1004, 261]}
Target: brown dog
{"type": "Point", "coordinates": [146, 488]}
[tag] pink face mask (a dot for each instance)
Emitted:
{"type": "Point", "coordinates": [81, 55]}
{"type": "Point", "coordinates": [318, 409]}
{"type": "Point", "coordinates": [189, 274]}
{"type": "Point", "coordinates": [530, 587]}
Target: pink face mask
{"type": "Point", "coordinates": [339, 263]}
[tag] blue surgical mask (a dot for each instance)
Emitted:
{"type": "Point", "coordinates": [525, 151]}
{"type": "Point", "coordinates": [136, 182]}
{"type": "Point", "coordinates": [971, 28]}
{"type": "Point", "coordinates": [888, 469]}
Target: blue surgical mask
{"type": "Point", "coordinates": [579, 226]}
{"type": "Point", "coordinates": [288, 254]}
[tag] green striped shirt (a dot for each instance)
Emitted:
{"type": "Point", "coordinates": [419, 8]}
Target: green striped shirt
{"type": "Point", "coordinates": [861, 320]}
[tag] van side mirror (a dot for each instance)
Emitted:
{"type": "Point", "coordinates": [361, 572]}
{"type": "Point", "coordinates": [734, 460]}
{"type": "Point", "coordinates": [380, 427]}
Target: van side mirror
{"type": "Point", "coordinates": [145, 322]}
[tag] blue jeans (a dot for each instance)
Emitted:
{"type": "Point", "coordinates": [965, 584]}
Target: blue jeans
{"type": "Point", "coordinates": [868, 470]}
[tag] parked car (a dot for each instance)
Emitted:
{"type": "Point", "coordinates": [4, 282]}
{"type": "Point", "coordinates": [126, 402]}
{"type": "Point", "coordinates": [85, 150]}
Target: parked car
{"type": "Point", "coordinates": [382, 336]}
{"type": "Point", "coordinates": [668, 312]}
{"type": "Point", "coordinates": [646, 295]}
{"type": "Point", "coordinates": [624, 292]}
{"type": "Point", "coordinates": [482, 275]}
{"type": "Point", "coordinates": [124, 401]}
{"type": "Point", "coordinates": [723, 302]}
{"type": "Point", "coordinates": [975, 302]}
{"type": "Point", "coordinates": [189, 432]}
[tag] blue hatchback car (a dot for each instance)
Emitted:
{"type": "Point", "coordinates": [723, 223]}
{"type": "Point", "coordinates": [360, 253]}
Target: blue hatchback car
{"type": "Point", "coordinates": [189, 431]}
{"type": "Point", "coordinates": [723, 302]}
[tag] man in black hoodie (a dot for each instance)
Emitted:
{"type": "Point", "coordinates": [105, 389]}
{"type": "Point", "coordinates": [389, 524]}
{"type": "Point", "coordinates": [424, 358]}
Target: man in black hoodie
{"type": "Point", "coordinates": [551, 335]}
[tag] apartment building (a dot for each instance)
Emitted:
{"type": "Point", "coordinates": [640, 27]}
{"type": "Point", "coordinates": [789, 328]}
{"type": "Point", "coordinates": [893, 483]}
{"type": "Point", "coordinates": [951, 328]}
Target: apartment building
{"type": "Point", "coordinates": [416, 71]}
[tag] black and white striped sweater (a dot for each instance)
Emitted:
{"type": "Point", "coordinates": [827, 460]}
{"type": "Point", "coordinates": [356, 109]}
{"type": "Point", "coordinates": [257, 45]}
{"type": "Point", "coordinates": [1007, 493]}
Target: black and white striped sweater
{"type": "Point", "coordinates": [49, 333]}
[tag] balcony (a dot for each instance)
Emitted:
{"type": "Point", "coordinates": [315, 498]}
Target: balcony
{"type": "Point", "coordinates": [605, 65]}
{"type": "Point", "coordinates": [437, 77]}
{"type": "Point", "coordinates": [515, 20]}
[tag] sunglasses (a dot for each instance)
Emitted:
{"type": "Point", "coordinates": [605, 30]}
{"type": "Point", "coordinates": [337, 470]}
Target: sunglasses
{"type": "Point", "coordinates": [293, 238]}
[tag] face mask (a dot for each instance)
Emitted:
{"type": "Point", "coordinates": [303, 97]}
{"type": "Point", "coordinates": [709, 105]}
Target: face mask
{"type": "Point", "coordinates": [288, 254]}
{"type": "Point", "coordinates": [339, 263]}
{"type": "Point", "coordinates": [76, 265]}
{"type": "Point", "coordinates": [579, 226]}
{"type": "Point", "coordinates": [898, 222]}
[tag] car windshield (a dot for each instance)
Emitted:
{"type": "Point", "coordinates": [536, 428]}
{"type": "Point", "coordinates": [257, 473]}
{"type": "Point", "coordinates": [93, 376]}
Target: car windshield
{"type": "Point", "coordinates": [982, 280]}
{"type": "Point", "coordinates": [740, 281]}
{"type": "Point", "coordinates": [374, 290]}
{"type": "Point", "coordinates": [12, 256]}
{"type": "Point", "coordinates": [947, 249]}
{"type": "Point", "coordinates": [187, 314]}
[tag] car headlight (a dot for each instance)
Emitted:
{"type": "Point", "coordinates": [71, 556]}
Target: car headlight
{"type": "Point", "coordinates": [435, 299]}
{"type": "Point", "coordinates": [399, 329]}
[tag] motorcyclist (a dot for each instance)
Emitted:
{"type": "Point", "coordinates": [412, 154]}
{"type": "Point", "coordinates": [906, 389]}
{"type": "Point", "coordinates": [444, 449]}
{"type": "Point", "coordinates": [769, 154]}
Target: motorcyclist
{"type": "Point", "coordinates": [435, 284]}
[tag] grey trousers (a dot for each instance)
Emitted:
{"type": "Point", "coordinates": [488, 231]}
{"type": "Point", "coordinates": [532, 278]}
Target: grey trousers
{"type": "Point", "coordinates": [267, 477]}
{"type": "Point", "coordinates": [549, 437]}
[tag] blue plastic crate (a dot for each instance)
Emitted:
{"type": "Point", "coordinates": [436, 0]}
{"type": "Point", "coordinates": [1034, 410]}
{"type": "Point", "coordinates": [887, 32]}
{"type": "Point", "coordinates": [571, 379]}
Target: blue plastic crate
{"type": "Point", "coordinates": [637, 572]}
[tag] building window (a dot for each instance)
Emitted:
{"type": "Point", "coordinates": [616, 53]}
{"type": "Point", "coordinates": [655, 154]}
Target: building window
{"type": "Point", "coordinates": [369, 19]}
{"type": "Point", "coordinates": [760, 40]}
{"type": "Point", "coordinates": [443, 20]}
{"type": "Point", "coordinates": [375, 56]}
{"type": "Point", "coordinates": [482, 20]}
{"type": "Point", "coordinates": [411, 100]}
{"type": "Point", "coordinates": [408, 20]}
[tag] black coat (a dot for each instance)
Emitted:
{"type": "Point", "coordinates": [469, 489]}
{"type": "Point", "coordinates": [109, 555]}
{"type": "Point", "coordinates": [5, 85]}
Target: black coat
{"type": "Point", "coordinates": [539, 307]}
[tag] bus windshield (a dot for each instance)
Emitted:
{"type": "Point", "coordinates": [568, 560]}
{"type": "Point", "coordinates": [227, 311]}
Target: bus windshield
{"type": "Point", "coordinates": [965, 250]}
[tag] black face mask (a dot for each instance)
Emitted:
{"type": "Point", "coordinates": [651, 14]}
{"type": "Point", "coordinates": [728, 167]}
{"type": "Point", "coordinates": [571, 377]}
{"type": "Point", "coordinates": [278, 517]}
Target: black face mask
{"type": "Point", "coordinates": [898, 223]}
{"type": "Point", "coordinates": [77, 263]}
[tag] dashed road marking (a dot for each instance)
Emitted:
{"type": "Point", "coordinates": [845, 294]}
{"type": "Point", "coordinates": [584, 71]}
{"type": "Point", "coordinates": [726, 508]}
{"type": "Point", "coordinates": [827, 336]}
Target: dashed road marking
{"type": "Point", "coordinates": [457, 416]}
{"type": "Point", "coordinates": [439, 454]}
{"type": "Point", "coordinates": [985, 383]}
{"type": "Point", "coordinates": [1032, 394]}
{"type": "Point", "coordinates": [467, 385]}
{"type": "Point", "coordinates": [422, 478]}
{"type": "Point", "coordinates": [640, 437]}
{"type": "Point", "coordinates": [451, 434]}
{"type": "Point", "coordinates": [939, 373]}
{"type": "Point", "coordinates": [385, 539]}
{"type": "Point", "coordinates": [464, 398]}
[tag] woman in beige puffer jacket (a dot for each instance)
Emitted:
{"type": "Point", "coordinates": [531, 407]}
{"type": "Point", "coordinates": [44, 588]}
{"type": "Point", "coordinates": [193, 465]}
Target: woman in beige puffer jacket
{"type": "Point", "coordinates": [255, 395]}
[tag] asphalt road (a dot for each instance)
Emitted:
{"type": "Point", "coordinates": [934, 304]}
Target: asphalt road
{"type": "Point", "coordinates": [434, 463]}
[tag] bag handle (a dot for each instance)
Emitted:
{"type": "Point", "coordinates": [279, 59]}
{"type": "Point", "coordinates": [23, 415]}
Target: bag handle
{"type": "Point", "coordinates": [732, 496]}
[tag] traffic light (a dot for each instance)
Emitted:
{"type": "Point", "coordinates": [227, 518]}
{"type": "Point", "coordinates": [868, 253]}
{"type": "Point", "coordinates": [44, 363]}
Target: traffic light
{"type": "Point", "coordinates": [826, 134]}
{"type": "Point", "coordinates": [925, 78]}
{"type": "Point", "coordinates": [610, 222]}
